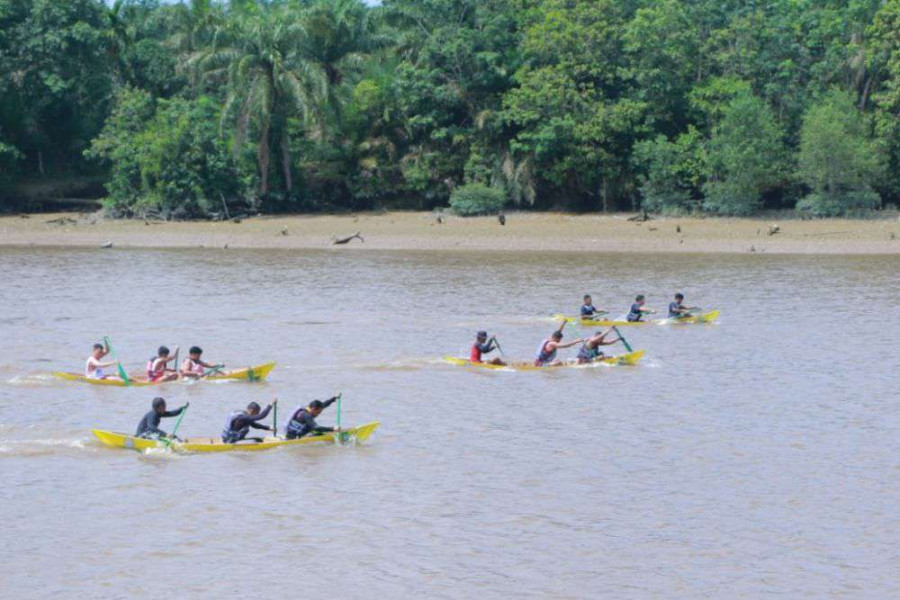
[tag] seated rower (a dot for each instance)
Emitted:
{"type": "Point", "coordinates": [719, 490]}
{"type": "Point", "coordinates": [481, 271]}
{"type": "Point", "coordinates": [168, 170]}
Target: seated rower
{"type": "Point", "coordinates": [149, 425]}
{"type": "Point", "coordinates": [483, 345]}
{"type": "Point", "coordinates": [193, 367]}
{"type": "Point", "coordinates": [590, 351]}
{"type": "Point", "coordinates": [93, 367]}
{"type": "Point", "coordinates": [677, 309]}
{"type": "Point", "coordinates": [638, 310]}
{"type": "Point", "coordinates": [303, 420]}
{"type": "Point", "coordinates": [158, 369]}
{"type": "Point", "coordinates": [238, 423]}
{"type": "Point", "coordinates": [588, 310]}
{"type": "Point", "coordinates": [546, 354]}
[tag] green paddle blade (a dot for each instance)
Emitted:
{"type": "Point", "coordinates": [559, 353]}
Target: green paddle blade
{"type": "Point", "coordinates": [119, 366]}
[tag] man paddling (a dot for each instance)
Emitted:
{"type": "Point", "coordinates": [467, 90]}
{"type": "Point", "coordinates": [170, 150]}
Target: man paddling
{"type": "Point", "coordinates": [303, 420]}
{"type": "Point", "coordinates": [158, 369]}
{"type": "Point", "coordinates": [149, 425]}
{"type": "Point", "coordinates": [93, 367]}
{"type": "Point", "coordinates": [546, 354]}
{"type": "Point", "coordinates": [638, 310]}
{"type": "Point", "coordinates": [678, 310]}
{"type": "Point", "coordinates": [483, 345]}
{"type": "Point", "coordinates": [238, 423]}
{"type": "Point", "coordinates": [590, 351]}
{"type": "Point", "coordinates": [588, 310]}
{"type": "Point", "coordinates": [193, 367]}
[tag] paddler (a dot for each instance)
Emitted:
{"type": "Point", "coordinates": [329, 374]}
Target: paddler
{"type": "Point", "coordinates": [590, 350]}
{"type": "Point", "coordinates": [588, 310]}
{"type": "Point", "coordinates": [149, 425]}
{"type": "Point", "coordinates": [303, 420]}
{"type": "Point", "coordinates": [483, 345]}
{"type": "Point", "coordinates": [93, 367]}
{"type": "Point", "coordinates": [193, 367]}
{"type": "Point", "coordinates": [546, 354]}
{"type": "Point", "coordinates": [158, 369]}
{"type": "Point", "coordinates": [638, 310]}
{"type": "Point", "coordinates": [238, 423]}
{"type": "Point", "coordinates": [677, 309]}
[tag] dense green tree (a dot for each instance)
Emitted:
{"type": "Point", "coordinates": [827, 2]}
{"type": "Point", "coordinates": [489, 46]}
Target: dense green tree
{"type": "Point", "coordinates": [672, 172]}
{"type": "Point", "coordinates": [334, 104]}
{"type": "Point", "coordinates": [838, 160]}
{"type": "Point", "coordinates": [746, 158]}
{"type": "Point", "coordinates": [269, 81]}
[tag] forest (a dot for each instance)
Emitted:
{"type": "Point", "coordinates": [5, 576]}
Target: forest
{"type": "Point", "coordinates": [194, 109]}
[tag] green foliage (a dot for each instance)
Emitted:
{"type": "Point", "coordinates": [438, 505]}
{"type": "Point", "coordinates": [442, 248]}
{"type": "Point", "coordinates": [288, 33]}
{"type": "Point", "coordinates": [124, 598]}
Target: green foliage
{"type": "Point", "coordinates": [335, 104]}
{"type": "Point", "coordinates": [673, 172]}
{"type": "Point", "coordinates": [746, 158]}
{"type": "Point", "coordinates": [838, 161]}
{"type": "Point", "coordinates": [166, 156]}
{"type": "Point", "coordinates": [476, 199]}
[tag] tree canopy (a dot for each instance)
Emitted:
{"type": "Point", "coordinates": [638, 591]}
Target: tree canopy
{"type": "Point", "coordinates": [296, 105]}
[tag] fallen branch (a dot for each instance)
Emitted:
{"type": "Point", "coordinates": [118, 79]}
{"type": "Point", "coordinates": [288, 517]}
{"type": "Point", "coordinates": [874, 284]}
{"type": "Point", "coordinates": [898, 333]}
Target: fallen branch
{"type": "Point", "coordinates": [346, 240]}
{"type": "Point", "coordinates": [641, 218]}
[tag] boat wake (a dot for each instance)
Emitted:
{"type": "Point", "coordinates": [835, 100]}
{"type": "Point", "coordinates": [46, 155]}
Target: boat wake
{"type": "Point", "coordinates": [43, 447]}
{"type": "Point", "coordinates": [32, 380]}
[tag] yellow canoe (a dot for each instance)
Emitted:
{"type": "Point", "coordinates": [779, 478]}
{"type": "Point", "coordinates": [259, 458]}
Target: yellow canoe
{"type": "Point", "coordinates": [206, 444]}
{"type": "Point", "coordinates": [708, 317]}
{"type": "Point", "coordinates": [257, 373]}
{"type": "Point", "coordinates": [629, 359]}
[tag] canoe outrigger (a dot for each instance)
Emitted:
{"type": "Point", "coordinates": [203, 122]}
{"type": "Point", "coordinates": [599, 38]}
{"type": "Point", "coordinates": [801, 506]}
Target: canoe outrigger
{"type": "Point", "coordinates": [257, 373]}
{"type": "Point", "coordinates": [628, 359]}
{"type": "Point", "coordinates": [208, 444]}
{"type": "Point", "coordinates": [708, 317]}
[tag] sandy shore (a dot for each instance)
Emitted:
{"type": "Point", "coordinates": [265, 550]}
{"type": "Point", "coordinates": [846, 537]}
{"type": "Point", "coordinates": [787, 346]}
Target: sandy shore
{"type": "Point", "coordinates": [421, 231]}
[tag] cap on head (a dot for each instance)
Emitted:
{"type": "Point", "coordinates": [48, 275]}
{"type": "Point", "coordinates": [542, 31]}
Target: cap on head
{"type": "Point", "coordinates": [253, 407]}
{"type": "Point", "coordinates": [163, 351]}
{"type": "Point", "coordinates": [481, 334]}
{"type": "Point", "coordinates": [195, 350]}
{"type": "Point", "coordinates": [159, 403]}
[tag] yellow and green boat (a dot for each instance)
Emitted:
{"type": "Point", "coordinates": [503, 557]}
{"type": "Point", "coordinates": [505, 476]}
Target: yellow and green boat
{"type": "Point", "coordinates": [707, 317]}
{"type": "Point", "coordinates": [629, 359]}
{"type": "Point", "coordinates": [257, 373]}
{"type": "Point", "coordinates": [208, 444]}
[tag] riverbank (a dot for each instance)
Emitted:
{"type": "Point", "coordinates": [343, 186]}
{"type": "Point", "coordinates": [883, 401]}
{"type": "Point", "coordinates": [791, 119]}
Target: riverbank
{"type": "Point", "coordinates": [547, 232]}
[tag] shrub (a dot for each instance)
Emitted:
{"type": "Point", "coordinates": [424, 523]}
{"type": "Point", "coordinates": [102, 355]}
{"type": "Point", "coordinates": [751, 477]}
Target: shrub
{"type": "Point", "coordinates": [476, 199]}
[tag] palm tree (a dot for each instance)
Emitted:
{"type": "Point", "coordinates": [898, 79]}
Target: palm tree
{"type": "Point", "coordinates": [261, 56]}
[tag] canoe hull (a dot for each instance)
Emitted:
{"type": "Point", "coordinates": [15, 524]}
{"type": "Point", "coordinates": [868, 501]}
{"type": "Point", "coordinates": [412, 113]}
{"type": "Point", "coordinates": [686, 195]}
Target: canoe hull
{"type": "Point", "coordinates": [206, 445]}
{"type": "Point", "coordinates": [708, 317]}
{"type": "Point", "coordinates": [630, 359]}
{"type": "Point", "coordinates": [257, 373]}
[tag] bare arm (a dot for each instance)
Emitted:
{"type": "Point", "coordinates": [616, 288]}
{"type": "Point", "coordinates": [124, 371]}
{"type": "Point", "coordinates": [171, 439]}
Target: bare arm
{"type": "Point", "coordinates": [569, 344]}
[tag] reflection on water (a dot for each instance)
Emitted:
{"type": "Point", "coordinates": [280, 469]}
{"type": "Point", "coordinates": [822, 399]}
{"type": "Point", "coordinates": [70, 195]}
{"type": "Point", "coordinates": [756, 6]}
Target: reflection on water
{"type": "Point", "coordinates": [752, 457]}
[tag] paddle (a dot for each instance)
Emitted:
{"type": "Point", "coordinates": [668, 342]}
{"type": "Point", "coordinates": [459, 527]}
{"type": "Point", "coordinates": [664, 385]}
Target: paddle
{"type": "Point", "coordinates": [213, 371]}
{"type": "Point", "coordinates": [177, 367]}
{"type": "Point", "coordinates": [122, 372]}
{"type": "Point", "coordinates": [168, 441]}
{"type": "Point", "coordinates": [496, 343]}
{"type": "Point", "coordinates": [622, 337]}
{"type": "Point", "coordinates": [275, 419]}
{"type": "Point", "coordinates": [339, 435]}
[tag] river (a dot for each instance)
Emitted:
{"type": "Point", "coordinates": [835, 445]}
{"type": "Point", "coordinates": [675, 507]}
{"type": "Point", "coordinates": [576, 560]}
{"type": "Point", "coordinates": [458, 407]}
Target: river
{"type": "Point", "coordinates": [755, 457]}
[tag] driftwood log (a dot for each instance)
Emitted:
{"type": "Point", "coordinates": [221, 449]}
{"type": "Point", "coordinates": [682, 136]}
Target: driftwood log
{"type": "Point", "coordinates": [346, 240]}
{"type": "Point", "coordinates": [641, 218]}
